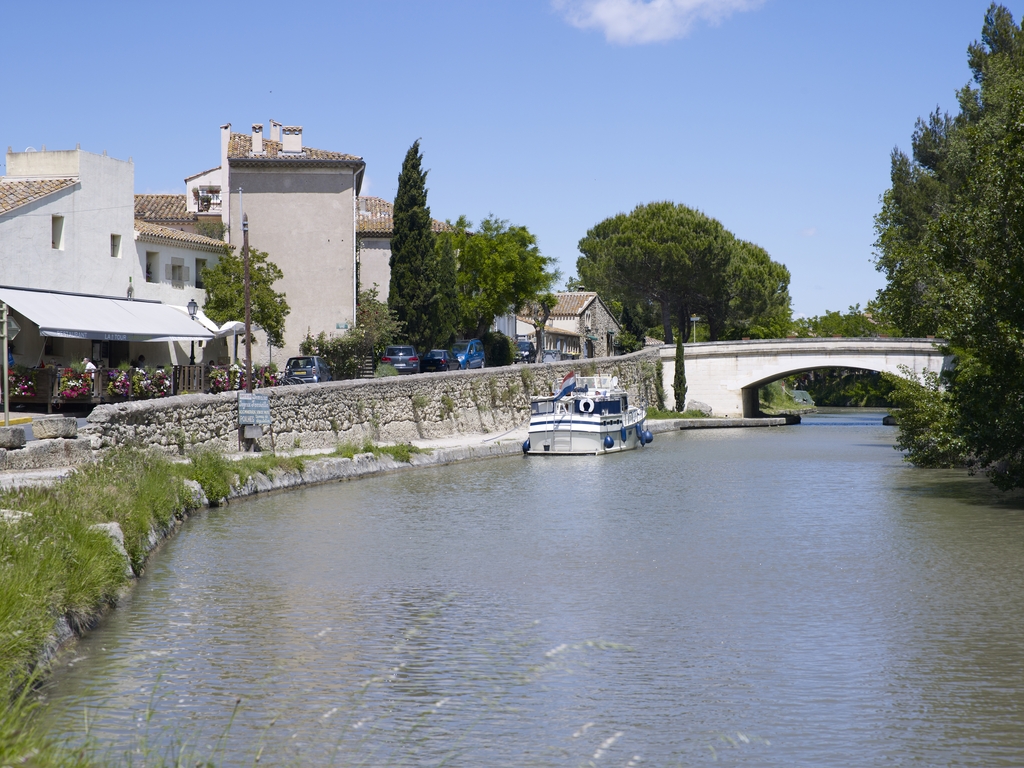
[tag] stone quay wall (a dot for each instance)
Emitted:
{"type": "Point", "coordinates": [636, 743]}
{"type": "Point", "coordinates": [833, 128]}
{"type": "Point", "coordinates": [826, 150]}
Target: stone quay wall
{"type": "Point", "coordinates": [393, 409]}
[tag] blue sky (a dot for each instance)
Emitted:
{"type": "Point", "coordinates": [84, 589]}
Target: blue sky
{"type": "Point", "coordinates": [777, 116]}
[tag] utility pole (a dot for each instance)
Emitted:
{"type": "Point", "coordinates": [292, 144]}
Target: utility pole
{"type": "Point", "coordinates": [248, 307]}
{"type": "Point", "coordinates": [7, 382]}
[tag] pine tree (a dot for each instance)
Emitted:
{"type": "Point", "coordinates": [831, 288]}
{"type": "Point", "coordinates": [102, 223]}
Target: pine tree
{"type": "Point", "coordinates": [413, 294]}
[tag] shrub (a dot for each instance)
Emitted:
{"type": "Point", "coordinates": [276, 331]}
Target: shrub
{"type": "Point", "coordinates": [498, 349]}
{"type": "Point", "coordinates": [212, 471]}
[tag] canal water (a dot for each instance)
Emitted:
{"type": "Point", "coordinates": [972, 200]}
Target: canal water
{"type": "Point", "coordinates": [784, 596]}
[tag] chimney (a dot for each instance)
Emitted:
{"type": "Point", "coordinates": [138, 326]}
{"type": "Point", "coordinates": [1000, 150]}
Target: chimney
{"type": "Point", "coordinates": [291, 140]}
{"type": "Point", "coordinates": [257, 139]}
{"type": "Point", "coordinates": [275, 130]}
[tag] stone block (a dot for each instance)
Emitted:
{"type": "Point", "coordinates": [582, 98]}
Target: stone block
{"type": "Point", "coordinates": [12, 437]}
{"type": "Point", "coordinates": [113, 530]}
{"type": "Point", "coordinates": [48, 429]}
{"type": "Point", "coordinates": [697, 405]}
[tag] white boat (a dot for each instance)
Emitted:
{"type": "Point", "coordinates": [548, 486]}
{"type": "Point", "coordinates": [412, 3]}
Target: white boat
{"type": "Point", "coordinates": [589, 415]}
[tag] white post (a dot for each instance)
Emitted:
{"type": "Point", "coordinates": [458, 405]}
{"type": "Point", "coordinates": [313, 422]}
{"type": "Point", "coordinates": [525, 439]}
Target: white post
{"type": "Point", "coordinates": [7, 383]}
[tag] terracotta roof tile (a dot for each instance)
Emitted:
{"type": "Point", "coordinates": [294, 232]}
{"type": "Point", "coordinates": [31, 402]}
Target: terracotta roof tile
{"type": "Point", "coordinates": [15, 193]}
{"type": "Point", "coordinates": [155, 233]}
{"type": "Point", "coordinates": [376, 218]}
{"type": "Point", "coordinates": [163, 208]}
{"type": "Point", "coordinates": [573, 303]}
{"type": "Point", "coordinates": [240, 147]}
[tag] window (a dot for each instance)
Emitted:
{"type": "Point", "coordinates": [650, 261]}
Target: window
{"type": "Point", "coordinates": [177, 273]}
{"type": "Point", "coordinates": [152, 267]}
{"type": "Point", "coordinates": [200, 266]}
{"type": "Point", "coordinates": [57, 233]}
{"type": "Point", "coordinates": [115, 246]}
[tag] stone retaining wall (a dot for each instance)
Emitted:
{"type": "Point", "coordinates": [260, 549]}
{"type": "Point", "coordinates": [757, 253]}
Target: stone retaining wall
{"type": "Point", "coordinates": [390, 409]}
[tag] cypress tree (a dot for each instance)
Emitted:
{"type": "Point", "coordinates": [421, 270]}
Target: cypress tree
{"type": "Point", "coordinates": [414, 272]}
{"type": "Point", "coordinates": [446, 306]}
{"type": "Point", "coordinates": [679, 383]}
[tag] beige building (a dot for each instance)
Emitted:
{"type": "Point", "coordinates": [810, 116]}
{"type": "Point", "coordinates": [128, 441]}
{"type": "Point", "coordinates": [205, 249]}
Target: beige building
{"type": "Point", "coordinates": [301, 207]}
{"type": "Point", "coordinates": [375, 225]}
{"type": "Point", "coordinates": [75, 258]}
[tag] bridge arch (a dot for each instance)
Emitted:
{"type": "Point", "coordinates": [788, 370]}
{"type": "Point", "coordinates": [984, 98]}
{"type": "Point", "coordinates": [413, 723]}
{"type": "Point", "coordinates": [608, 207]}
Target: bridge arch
{"type": "Point", "coordinates": [727, 374]}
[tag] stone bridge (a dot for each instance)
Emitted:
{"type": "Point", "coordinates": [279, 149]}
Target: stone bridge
{"type": "Point", "coordinates": [727, 374]}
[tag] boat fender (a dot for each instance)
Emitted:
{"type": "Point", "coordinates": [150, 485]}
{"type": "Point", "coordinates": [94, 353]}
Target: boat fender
{"type": "Point", "coordinates": [648, 437]}
{"type": "Point", "coordinates": [639, 434]}
{"type": "Point", "coordinates": [622, 433]}
{"type": "Point", "coordinates": [586, 405]}
{"type": "Point", "coordinates": [526, 445]}
{"type": "Point", "coordinates": [609, 441]}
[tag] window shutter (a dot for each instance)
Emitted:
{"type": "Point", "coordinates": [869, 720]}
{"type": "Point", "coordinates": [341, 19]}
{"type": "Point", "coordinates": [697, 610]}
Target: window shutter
{"type": "Point", "coordinates": [186, 278]}
{"type": "Point", "coordinates": [168, 275]}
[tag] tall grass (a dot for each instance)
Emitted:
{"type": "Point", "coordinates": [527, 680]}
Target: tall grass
{"type": "Point", "coordinates": [402, 452]}
{"type": "Point", "coordinates": [54, 564]}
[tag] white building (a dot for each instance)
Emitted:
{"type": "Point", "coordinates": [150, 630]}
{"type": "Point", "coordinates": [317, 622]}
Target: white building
{"type": "Point", "coordinates": [68, 228]}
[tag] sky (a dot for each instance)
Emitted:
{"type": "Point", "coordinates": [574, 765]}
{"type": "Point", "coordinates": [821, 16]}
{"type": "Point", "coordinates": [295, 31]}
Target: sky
{"type": "Point", "coordinates": [777, 117]}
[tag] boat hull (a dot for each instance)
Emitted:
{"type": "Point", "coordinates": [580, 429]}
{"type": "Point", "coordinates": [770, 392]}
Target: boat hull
{"type": "Point", "coordinates": [582, 438]}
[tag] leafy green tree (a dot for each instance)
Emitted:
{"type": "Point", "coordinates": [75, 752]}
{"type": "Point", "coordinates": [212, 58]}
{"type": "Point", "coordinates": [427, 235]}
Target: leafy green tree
{"type": "Point", "coordinates": [376, 327]}
{"type": "Point", "coordinates": [500, 269]}
{"type": "Point", "coordinates": [928, 421]}
{"type": "Point", "coordinates": [757, 293]}
{"type": "Point", "coordinates": [951, 247]}
{"type": "Point", "coordinates": [854, 323]}
{"type": "Point", "coordinates": [225, 292]}
{"type": "Point", "coordinates": [686, 263]}
{"type": "Point", "coordinates": [539, 310]}
{"type": "Point", "coordinates": [413, 293]}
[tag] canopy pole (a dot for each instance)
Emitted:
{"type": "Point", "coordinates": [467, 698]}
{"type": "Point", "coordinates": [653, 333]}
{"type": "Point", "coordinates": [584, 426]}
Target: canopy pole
{"type": "Point", "coordinates": [7, 379]}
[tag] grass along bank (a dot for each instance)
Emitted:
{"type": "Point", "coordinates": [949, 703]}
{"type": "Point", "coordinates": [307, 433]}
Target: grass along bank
{"type": "Point", "coordinates": [658, 413]}
{"type": "Point", "coordinates": [59, 572]}
{"type": "Point", "coordinates": [775, 400]}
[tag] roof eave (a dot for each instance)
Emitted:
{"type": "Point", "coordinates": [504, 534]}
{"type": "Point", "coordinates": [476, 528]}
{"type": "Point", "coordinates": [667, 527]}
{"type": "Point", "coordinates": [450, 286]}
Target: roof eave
{"type": "Point", "coordinates": [147, 237]}
{"type": "Point", "coordinates": [298, 162]}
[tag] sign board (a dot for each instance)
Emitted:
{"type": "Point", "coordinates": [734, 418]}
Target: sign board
{"type": "Point", "coordinates": [13, 328]}
{"type": "Point", "coordinates": [253, 409]}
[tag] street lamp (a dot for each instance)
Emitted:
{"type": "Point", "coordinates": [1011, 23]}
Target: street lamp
{"type": "Point", "coordinates": [192, 309]}
{"type": "Point", "coordinates": [693, 323]}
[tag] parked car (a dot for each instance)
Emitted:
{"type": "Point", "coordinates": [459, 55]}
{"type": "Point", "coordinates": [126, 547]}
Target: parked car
{"type": "Point", "coordinates": [526, 351]}
{"type": "Point", "coordinates": [404, 359]}
{"type": "Point", "coordinates": [438, 360]}
{"type": "Point", "coordinates": [470, 354]}
{"type": "Point", "coordinates": [551, 356]}
{"type": "Point", "coordinates": [308, 370]}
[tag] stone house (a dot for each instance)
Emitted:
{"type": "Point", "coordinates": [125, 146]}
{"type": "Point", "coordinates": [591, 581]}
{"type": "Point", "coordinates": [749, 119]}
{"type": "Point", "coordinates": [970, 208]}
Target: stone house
{"type": "Point", "coordinates": [580, 325]}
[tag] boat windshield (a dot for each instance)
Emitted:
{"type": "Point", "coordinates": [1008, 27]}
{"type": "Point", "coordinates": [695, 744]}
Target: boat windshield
{"type": "Point", "coordinates": [541, 406]}
{"type": "Point", "coordinates": [596, 382]}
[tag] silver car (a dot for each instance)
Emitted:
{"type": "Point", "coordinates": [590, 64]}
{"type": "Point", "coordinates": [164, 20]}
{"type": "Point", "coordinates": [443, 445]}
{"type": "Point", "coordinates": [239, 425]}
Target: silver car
{"type": "Point", "coordinates": [403, 358]}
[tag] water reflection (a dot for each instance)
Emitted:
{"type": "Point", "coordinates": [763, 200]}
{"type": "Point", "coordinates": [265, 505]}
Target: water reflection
{"type": "Point", "coordinates": [770, 596]}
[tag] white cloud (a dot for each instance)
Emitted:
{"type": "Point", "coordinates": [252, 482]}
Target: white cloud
{"type": "Point", "coordinates": [809, 232]}
{"type": "Point", "coordinates": [635, 22]}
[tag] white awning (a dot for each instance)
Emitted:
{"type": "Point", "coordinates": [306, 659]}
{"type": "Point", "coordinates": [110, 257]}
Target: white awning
{"type": "Point", "coordinates": [72, 316]}
{"type": "Point", "coordinates": [230, 328]}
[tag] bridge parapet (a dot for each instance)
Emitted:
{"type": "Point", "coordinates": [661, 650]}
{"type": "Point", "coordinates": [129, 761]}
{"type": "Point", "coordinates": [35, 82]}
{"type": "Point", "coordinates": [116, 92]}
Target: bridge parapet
{"type": "Point", "coordinates": [727, 374]}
